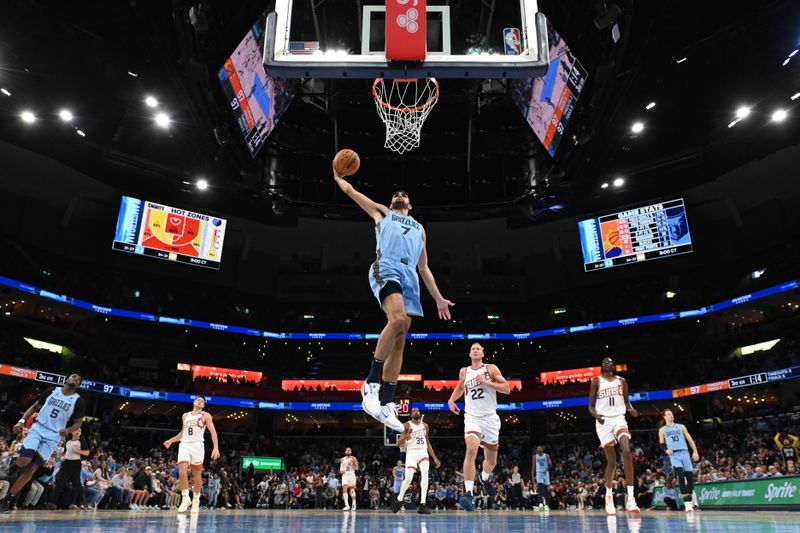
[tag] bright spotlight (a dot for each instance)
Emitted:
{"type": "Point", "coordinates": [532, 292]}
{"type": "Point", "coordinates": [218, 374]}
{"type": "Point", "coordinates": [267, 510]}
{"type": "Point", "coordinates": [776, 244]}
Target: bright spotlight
{"type": "Point", "coordinates": [151, 101]}
{"type": "Point", "coordinates": [779, 115]}
{"type": "Point", "coordinates": [65, 115]}
{"type": "Point", "coordinates": [80, 132]}
{"type": "Point", "coordinates": [162, 120]}
{"type": "Point", "coordinates": [619, 182]}
{"type": "Point", "coordinates": [201, 184]}
{"type": "Point", "coordinates": [795, 96]}
{"type": "Point", "coordinates": [650, 106]}
{"type": "Point", "coordinates": [742, 112]}
{"type": "Point", "coordinates": [604, 185]}
{"type": "Point", "coordinates": [637, 127]}
{"type": "Point", "coordinates": [28, 117]}
{"type": "Point", "coordinates": [681, 60]}
{"type": "Point", "coordinates": [5, 91]}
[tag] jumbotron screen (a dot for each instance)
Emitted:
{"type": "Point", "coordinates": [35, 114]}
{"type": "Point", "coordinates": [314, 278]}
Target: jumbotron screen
{"type": "Point", "coordinates": [548, 102]}
{"type": "Point", "coordinates": [635, 235]}
{"type": "Point", "coordinates": [164, 232]}
{"type": "Point", "coordinates": [258, 101]}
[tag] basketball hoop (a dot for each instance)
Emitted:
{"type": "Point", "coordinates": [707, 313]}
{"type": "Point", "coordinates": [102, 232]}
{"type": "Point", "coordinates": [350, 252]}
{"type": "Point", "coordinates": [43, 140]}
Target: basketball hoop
{"type": "Point", "coordinates": [403, 105]}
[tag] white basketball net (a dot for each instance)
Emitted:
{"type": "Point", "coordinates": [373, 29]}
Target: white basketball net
{"type": "Point", "coordinates": [403, 105]}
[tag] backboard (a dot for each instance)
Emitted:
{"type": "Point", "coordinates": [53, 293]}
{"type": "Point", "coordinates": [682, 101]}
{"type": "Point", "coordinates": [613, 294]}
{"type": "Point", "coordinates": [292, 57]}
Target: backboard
{"type": "Point", "coordinates": [428, 25]}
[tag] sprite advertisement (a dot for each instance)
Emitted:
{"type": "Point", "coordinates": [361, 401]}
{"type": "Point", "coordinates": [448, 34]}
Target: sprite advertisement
{"type": "Point", "coordinates": [772, 491]}
{"type": "Point", "coordinates": [262, 464]}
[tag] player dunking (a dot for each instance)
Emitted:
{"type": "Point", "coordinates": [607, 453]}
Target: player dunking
{"type": "Point", "coordinates": [674, 438]}
{"type": "Point", "coordinates": [479, 383]}
{"type": "Point", "coordinates": [57, 410]}
{"type": "Point", "coordinates": [191, 451]}
{"type": "Point", "coordinates": [400, 251]}
{"type": "Point", "coordinates": [348, 465]}
{"type": "Point", "coordinates": [416, 440]}
{"type": "Point", "coordinates": [608, 403]}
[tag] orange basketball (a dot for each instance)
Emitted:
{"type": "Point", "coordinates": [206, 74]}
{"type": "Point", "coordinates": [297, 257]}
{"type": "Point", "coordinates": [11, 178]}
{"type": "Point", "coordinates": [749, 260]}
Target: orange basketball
{"type": "Point", "coordinates": [346, 162]}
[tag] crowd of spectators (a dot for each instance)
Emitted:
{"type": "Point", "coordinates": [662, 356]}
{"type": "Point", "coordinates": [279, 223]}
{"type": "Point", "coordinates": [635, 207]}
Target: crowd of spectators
{"type": "Point", "coordinates": [147, 479]}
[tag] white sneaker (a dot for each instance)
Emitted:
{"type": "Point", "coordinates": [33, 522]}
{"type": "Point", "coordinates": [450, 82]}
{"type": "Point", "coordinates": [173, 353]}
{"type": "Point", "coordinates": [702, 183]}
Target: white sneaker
{"type": "Point", "coordinates": [689, 507]}
{"type": "Point", "coordinates": [346, 508]}
{"type": "Point", "coordinates": [353, 507]}
{"type": "Point", "coordinates": [371, 400]}
{"type": "Point", "coordinates": [196, 504]}
{"type": "Point", "coordinates": [541, 508]}
{"type": "Point", "coordinates": [389, 417]}
{"type": "Point", "coordinates": [184, 506]}
{"type": "Point", "coordinates": [610, 509]}
{"type": "Point", "coordinates": [546, 509]}
{"type": "Point", "coordinates": [630, 505]}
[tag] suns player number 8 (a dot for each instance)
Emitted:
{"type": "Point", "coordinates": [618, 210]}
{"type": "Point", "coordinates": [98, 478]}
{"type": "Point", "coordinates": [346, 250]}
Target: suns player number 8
{"type": "Point", "coordinates": [189, 431]}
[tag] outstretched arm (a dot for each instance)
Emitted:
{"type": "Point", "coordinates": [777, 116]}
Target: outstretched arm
{"type": "Point", "coordinates": [375, 210]}
{"type": "Point", "coordinates": [631, 411]}
{"type": "Point", "coordinates": [176, 438]}
{"type": "Point", "coordinates": [425, 273]}
{"type": "Point", "coordinates": [458, 392]}
{"type": "Point", "coordinates": [209, 421]}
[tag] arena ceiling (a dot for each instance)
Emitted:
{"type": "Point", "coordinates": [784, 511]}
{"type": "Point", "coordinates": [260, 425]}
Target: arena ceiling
{"type": "Point", "coordinates": [698, 62]}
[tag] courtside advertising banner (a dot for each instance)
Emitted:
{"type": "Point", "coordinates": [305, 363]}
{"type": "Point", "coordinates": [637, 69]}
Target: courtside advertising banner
{"type": "Point", "coordinates": [771, 492]}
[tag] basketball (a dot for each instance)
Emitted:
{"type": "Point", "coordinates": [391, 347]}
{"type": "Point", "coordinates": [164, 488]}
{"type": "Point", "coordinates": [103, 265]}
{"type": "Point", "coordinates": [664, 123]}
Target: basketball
{"type": "Point", "coordinates": [346, 162]}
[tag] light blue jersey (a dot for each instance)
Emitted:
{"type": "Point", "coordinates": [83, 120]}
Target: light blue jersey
{"type": "Point", "coordinates": [398, 479]}
{"type": "Point", "coordinates": [56, 412]}
{"type": "Point", "coordinates": [399, 245]}
{"type": "Point", "coordinates": [674, 437]}
{"type": "Point", "coordinates": [542, 469]}
{"type": "Point", "coordinates": [676, 441]}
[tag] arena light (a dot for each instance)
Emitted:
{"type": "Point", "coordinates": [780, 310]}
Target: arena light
{"type": "Point", "coordinates": [670, 295]}
{"type": "Point", "coordinates": [201, 184]}
{"type": "Point", "coordinates": [650, 106]}
{"type": "Point", "coordinates": [757, 273]}
{"type": "Point", "coordinates": [681, 60]}
{"type": "Point", "coordinates": [80, 132]}
{"type": "Point", "coordinates": [604, 185]}
{"type": "Point", "coordinates": [779, 115]}
{"type": "Point", "coordinates": [786, 61]}
{"type": "Point", "coordinates": [65, 115]}
{"type": "Point", "coordinates": [28, 117]}
{"type": "Point", "coordinates": [151, 101]}
{"type": "Point", "coordinates": [5, 91]}
{"type": "Point", "coordinates": [162, 120]}
{"type": "Point", "coordinates": [795, 96]}
{"type": "Point", "coordinates": [619, 182]}
{"type": "Point", "coordinates": [132, 74]}
{"type": "Point", "coordinates": [638, 127]}
{"type": "Point", "coordinates": [742, 112]}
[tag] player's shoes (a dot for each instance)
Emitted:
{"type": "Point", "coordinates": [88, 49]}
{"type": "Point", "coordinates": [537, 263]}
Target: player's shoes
{"type": "Point", "coordinates": [4, 506]}
{"type": "Point", "coordinates": [423, 509]}
{"type": "Point", "coordinates": [346, 508]}
{"type": "Point", "coordinates": [546, 509]}
{"type": "Point", "coordinates": [396, 505]}
{"type": "Point", "coordinates": [630, 506]}
{"type": "Point", "coordinates": [488, 485]}
{"type": "Point", "coordinates": [610, 509]}
{"type": "Point", "coordinates": [389, 417]}
{"type": "Point", "coordinates": [370, 400]}
{"type": "Point", "coordinates": [184, 506]}
{"type": "Point", "coordinates": [353, 506]}
{"type": "Point", "coordinates": [688, 506]}
{"type": "Point", "coordinates": [467, 502]}
{"type": "Point", "coordinates": [196, 504]}
{"type": "Point", "coordinates": [541, 507]}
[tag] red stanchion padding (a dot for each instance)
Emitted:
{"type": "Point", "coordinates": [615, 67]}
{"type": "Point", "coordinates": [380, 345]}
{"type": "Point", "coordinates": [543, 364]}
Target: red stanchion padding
{"type": "Point", "coordinates": [406, 30]}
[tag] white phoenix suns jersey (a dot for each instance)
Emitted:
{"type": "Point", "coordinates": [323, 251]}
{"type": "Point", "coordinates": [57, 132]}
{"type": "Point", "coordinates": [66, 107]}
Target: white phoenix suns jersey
{"type": "Point", "coordinates": [417, 440]}
{"type": "Point", "coordinates": [193, 427]}
{"type": "Point", "coordinates": [610, 401]}
{"type": "Point", "coordinates": [479, 400]}
{"type": "Point", "coordinates": [347, 465]}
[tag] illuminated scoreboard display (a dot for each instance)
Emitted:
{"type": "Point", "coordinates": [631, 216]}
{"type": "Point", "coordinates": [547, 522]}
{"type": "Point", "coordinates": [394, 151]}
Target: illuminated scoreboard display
{"type": "Point", "coordinates": [403, 407]}
{"type": "Point", "coordinates": [636, 235]}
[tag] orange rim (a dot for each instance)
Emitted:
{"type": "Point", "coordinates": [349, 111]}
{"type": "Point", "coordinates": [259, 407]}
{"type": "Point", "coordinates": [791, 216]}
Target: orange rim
{"type": "Point", "coordinates": [427, 104]}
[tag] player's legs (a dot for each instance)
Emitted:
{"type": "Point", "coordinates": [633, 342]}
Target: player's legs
{"type": "Point", "coordinates": [611, 468]}
{"type": "Point", "coordinates": [346, 496]}
{"type": "Point", "coordinates": [183, 485]}
{"type": "Point", "coordinates": [394, 362]}
{"type": "Point", "coordinates": [424, 469]}
{"type": "Point", "coordinates": [197, 478]}
{"type": "Point", "coordinates": [627, 462]}
{"type": "Point", "coordinates": [353, 498]}
{"type": "Point", "coordinates": [472, 440]}
{"type": "Point", "coordinates": [408, 477]}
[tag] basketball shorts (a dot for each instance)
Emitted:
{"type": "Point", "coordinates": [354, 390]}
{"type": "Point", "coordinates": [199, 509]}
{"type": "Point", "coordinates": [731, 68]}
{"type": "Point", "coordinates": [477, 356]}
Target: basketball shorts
{"type": "Point", "coordinates": [386, 270]}
{"type": "Point", "coordinates": [349, 480]}
{"type": "Point", "coordinates": [681, 459]}
{"type": "Point", "coordinates": [191, 452]}
{"type": "Point", "coordinates": [415, 457]}
{"type": "Point", "coordinates": [610, 431]}
{"type": "Point", "coordinates": [397, 486]}
{"type": "Point", "coordinates": [485, 427]}
{"type": "Point", "coordinates": [39, 445]}
{"type": "Point", "coordinates": [542, 479]}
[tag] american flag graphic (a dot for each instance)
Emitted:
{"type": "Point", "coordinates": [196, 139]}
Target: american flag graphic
{"type": "Point", "coordinates": [303, 47]}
